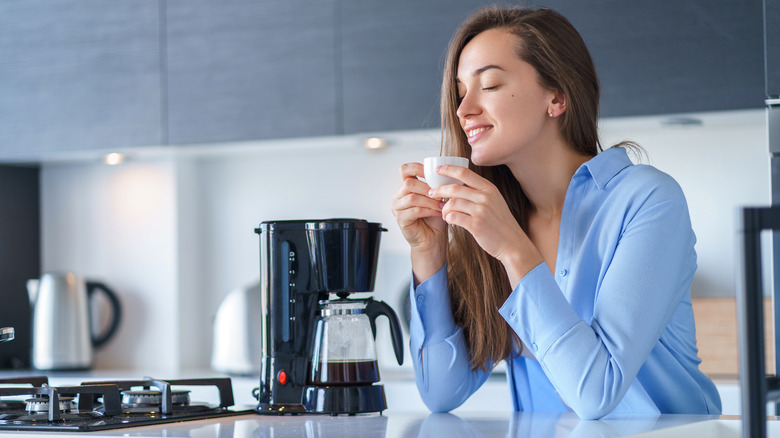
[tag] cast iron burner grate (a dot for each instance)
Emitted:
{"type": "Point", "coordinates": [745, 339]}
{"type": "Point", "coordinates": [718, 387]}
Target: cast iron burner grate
{"type": "Point", "coordinates": [100, 406]}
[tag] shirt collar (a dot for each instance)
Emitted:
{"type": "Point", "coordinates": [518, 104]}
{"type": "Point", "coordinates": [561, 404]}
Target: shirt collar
{"type": "Point", "coordinates": [604, 166]}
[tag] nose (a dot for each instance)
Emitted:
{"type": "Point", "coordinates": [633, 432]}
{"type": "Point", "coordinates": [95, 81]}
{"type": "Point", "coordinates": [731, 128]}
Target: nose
{"type": "Point", "coordinates": [468, 106]}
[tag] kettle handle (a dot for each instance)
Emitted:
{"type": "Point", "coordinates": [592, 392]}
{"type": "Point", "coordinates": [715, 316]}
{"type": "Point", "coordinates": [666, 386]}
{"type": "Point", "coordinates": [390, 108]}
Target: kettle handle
{"type": "Point", "coordinates": [116, 307]}
{"type": "Point", "coordinates": [377, 308]}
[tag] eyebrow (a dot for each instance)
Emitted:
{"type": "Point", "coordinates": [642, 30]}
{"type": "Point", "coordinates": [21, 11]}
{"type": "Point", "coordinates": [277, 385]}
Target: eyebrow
{"type": "Point", "coordinates": [481, 70]}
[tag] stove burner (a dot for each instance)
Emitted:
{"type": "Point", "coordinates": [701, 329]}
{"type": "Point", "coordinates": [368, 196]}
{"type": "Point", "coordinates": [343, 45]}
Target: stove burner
{"type": "Point", "coordinates": [151, 400]}
{"type": "Point", "coordinates": [40, 405]}
{"type": "Point", "coordinates": [108, 405]}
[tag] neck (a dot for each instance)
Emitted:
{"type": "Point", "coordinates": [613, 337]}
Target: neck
{"type": "Point", "coordinates": [545, 176]}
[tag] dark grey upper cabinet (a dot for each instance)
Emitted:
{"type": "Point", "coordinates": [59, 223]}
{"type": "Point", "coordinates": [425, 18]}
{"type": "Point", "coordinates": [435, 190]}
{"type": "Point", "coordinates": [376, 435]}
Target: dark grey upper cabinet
{"type": "Point", "coordinates": [656, 57]}
{"type": "Point", "coordinates": [79, 74]}
{"type": "Point", "coordinates": [392, 58]}
{"type": "Point", "coordinates": [772, 47]}
{"type": "Point", "coordinates": [248, 69]}
{"type": "Point", "coordinates": [89, 74]}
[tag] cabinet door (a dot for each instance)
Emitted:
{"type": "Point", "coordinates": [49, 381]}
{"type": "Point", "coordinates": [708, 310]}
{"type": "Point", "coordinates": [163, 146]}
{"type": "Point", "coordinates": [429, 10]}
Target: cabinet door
{"type": "Point", "coordinates": [78, 74]}
{"type": "Point", "coordinates": [392, 60]}
{"type": "Point", "coordinates": [772, 47]}
{"type": "Point", "coordinates": [247, 69]}
{"type": "Point", "coordinates": [656, 57]}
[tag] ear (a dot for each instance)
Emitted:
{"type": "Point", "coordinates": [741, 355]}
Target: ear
{"type": "Point", "coordinates": [557, 105]}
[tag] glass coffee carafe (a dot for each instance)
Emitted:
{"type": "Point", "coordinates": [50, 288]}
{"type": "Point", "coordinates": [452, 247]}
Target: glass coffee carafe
{"type": "Point", "coordinates": [344, 352]}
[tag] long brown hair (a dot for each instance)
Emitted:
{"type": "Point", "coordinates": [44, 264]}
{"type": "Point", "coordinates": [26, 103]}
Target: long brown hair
{"type": "Point", "coordinates": [546, 40]}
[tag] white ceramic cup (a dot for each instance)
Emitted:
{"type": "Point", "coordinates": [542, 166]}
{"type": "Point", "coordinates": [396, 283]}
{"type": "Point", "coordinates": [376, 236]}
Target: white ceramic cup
{"type": "Point", "coordinates": [434, 179]}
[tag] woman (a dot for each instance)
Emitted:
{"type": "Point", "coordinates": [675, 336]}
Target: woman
{"type": "Point", "coordinates": [571, 265]}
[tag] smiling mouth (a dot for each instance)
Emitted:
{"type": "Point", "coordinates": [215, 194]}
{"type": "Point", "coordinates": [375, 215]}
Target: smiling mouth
{"type": "Point", "coordinates": [473, 132]}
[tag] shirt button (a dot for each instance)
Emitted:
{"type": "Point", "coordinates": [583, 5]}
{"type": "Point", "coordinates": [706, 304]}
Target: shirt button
{"type": "Point", "coordinates": [513, 313]}
{"type": "Point", "coordinates": [420, 298]}
{"type": "Point", "coordinates": [563, 272]}
{"type": "Point", "coordinates": [535, 347]}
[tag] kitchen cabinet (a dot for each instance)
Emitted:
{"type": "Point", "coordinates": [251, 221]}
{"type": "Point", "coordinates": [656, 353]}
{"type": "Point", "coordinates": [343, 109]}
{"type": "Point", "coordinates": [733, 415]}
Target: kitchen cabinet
{"type": "Point", "coordinates": [772, 47]}
{"type": "Point", "coordinates": [79, 74]}
{"type": "Point", "coordinates": [392, 59]}
{"type": "Point", "coordinates": [652, 58]}
{"type": "Point", "coordinates": [672, 57]}
{"type": "Point", "coordinates": [248, 70]}
{"type": "Point", "coordinates": [82, 74]}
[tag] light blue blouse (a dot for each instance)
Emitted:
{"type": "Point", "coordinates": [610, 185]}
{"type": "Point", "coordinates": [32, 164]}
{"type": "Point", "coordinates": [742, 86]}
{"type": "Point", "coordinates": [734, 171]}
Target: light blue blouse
{"type": "Point", "coordinates": [612, 331]}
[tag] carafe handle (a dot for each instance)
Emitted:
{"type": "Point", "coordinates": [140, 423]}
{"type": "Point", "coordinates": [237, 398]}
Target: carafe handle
{"type": "Point", "coordinates": [116, 314]}
{"type": "Point", "coordinates": [376, 308]}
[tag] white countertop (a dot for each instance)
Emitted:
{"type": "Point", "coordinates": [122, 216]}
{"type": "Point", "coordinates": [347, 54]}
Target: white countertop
{"type": "Point", "coordinates": [486, 414]}
{"type": "Point", "coordinates": [399, 424]}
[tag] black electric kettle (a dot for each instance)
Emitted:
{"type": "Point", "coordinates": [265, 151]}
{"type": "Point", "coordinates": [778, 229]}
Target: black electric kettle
{"type": "Point", "coordinates": [61, 337]}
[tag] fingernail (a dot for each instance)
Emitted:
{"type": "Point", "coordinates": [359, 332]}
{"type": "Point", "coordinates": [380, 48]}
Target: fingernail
{"type": "Point", "coordinates": [438, 168]}
{"type": "Point", "coordinates": [430, 193]}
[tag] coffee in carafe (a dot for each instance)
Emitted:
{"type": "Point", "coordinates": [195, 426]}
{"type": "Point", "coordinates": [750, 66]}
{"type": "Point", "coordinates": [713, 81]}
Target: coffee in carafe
{"type": "Point", "coordinates": [336, 373]}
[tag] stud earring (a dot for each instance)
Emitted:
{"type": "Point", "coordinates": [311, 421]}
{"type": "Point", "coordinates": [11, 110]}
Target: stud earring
{"type": "Point", "coordinates": [549, 114]}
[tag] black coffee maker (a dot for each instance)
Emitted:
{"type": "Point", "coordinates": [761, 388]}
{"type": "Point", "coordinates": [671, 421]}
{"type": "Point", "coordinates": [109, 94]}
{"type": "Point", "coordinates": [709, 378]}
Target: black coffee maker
{"type": "Point", "coordinates": [318, 353]}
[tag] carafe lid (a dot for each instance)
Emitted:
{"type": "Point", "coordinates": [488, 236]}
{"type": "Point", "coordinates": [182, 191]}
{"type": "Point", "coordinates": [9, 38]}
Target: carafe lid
{"type": "Point", "coordinates": [342, 307]}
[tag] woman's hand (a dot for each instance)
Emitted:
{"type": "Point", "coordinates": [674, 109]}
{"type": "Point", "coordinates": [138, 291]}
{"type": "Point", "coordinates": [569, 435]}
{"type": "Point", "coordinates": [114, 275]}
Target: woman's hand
{"type": "Point", "coordinates": [480, 208]}
{"type": "Point", "coordinates": [420, 219]}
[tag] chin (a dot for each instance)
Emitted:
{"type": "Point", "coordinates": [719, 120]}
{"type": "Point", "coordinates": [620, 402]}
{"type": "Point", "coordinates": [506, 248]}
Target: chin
{"type": "Point", "coordinates": [481, 160]}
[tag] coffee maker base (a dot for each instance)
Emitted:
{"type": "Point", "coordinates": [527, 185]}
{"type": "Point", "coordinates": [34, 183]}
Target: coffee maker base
{"type": "Point", "coordinates": [345, 399]}
{"type": "Point", "coordinates": [333, 400]}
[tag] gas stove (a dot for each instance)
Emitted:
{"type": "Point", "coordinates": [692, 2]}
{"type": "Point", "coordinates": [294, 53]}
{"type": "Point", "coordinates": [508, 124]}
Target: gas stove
{"type": "Point", "coordinates": [102, 405]}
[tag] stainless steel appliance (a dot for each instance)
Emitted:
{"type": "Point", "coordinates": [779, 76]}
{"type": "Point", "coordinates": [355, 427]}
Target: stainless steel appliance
{"type": "Point", "coordinates": [309, 363]}
{"type": "Point", "coordinates": [102, 405]}
{"type": "Point", "coordinates": [236, 346]}
{"type": "Point", "coordinates": [62, 338]}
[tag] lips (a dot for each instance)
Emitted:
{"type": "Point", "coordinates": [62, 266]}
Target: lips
{"type": "Point", "coordinates": [474, 133]}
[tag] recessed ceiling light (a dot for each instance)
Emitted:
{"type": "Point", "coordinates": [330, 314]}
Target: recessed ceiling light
{"type": "Point", "coordinates": [375, 143]}
{"type": "Point", "coordinates": [114, 158]}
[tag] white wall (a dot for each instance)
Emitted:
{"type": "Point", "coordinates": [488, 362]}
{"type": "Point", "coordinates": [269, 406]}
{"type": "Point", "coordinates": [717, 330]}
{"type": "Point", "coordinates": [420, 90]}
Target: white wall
{"type": "Point", "coordinates": [117, 225]}
{"type": "Point", "coordinates": [173, 231]}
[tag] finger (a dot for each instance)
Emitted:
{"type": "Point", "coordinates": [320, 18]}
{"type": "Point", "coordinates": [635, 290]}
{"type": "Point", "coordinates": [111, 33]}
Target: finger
{"type": "Point", "coordinates": [414, 200]}
{"type": "Point", "coordinates": [466, 175]}
{"type": "Point", "coordinates": [458, 218]}
{"type": "Point", "coordinates": [412, 170]}
{"type": "Point", "coordinates": [457, 191]}
{"type": "Point", "coordinates": [414, 185]}
{"type": "Point", "coordinates": [412, 214]}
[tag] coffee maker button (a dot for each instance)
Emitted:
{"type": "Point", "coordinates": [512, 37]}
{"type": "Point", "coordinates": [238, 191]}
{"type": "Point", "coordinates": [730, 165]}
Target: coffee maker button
{"type": "Point", "coordinates": [282, 377]}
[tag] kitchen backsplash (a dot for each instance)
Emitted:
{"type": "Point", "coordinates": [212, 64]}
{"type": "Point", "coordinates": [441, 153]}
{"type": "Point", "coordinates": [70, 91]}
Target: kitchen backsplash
{"type": "Point", "coordinates": [172, 231]}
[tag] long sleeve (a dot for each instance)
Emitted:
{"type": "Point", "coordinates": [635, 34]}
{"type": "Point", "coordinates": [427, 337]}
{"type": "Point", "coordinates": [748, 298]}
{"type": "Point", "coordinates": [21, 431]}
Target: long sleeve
{"type": "Point", "coordinates": [594, 324]}
{"type": "Point", "coordinates": [439, 354]}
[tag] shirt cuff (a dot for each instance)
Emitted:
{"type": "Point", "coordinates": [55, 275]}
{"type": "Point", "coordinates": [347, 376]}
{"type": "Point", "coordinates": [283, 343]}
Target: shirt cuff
{"type": "Point", "coordinates": [431, 301]}
{"type": "Point", "coordinates": [538, 312]}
